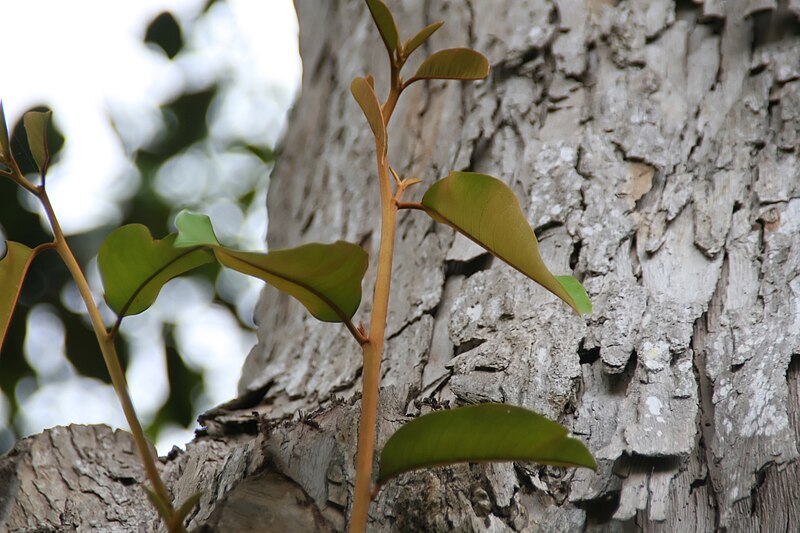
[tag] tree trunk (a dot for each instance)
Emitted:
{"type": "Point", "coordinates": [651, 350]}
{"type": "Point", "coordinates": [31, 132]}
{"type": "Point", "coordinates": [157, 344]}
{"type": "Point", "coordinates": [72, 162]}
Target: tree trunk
{"type": "Point", "coordinates": [654, 147]}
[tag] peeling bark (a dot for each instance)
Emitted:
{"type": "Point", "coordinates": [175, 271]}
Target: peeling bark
{"type": "Point", "coordinates": [654, 146]}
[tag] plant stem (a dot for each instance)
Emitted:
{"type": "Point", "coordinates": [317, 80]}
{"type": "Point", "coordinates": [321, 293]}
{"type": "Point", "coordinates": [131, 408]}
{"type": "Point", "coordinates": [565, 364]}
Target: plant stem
{"type": "Point", "coordinates": [373, 348]}
{"type": "Point", "coordinates": [108, 349]}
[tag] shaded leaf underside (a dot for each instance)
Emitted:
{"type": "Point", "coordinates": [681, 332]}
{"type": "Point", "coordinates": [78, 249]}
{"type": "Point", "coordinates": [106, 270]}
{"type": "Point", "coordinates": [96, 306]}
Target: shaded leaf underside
{"type": "Point", "coordinates": [478, 433]}
{"type": "Point", "coordinates": [13, 267]}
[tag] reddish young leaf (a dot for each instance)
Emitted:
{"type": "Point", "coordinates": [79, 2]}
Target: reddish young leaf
{"type": "Point", "coordinates": [365, 96]}
{"type": "Point", "coordinates": [385, 22]}
{"type": "Point", "coordinates": [421, 36]}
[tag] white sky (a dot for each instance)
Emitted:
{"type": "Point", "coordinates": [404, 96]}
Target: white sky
{"type": "Point", "coordinates": [55, 60]}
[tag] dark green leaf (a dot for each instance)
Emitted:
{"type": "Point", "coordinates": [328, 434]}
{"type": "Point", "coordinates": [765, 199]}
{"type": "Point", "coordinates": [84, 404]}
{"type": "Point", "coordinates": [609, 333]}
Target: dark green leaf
{"type": "Point", "coordinates": [5, 152]}
{"type": "Point", "coordinates": [165, 32]}
{"type": "Point", "coordinates": [325, 278]}
{"type": "Point", "coordinates": [453, 64]}
{"type": "Point", "coordinates": [422, 36]}
{"type": "Point", "coordinates": [134, 267]}
{"type": "Point", "coordinates": [365, 96]}
{"type": "Point", "coordinates": [12, 272]}
{"type": "Point", "coordinates": [385, 22]}
{"type": "Point", "coordinates": [36, 124]}
{"type": "Point", "coordinates": [480, 433]}
{"type": "Point", "coordinates": [484, 209]}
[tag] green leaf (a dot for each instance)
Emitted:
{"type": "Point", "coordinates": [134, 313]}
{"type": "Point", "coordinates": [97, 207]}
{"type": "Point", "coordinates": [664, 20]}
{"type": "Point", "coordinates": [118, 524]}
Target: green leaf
{"type": "Point", "coordinates": [134, 267]}
{"type": "Point", "coordinates": [266, 154]}
{"type": "Point", "coordinates": [385, 22]}
{"type": "Point", "coordinates": [577, 292]}
{"type": "Point", "coordinates": [480, 433]}
{"type": "Point", "coordinates": [484, 209]}
{"type": "Point", "coordinates": [12, 272]}
{"type": "Point", "coordinates": [194, 229]}
{"type": "Point", "coordinates": [5, 152]}
{"type": "Point", "coordinates": [453, 64]}
{"type": "Point", "coordinates": [36, 123]}
{"type": "Point", "coordinates": [365, 96]}
{"type": "Point", "coordinates": [325, 278]}
{"type": "Point", "coordinates": [422, 36]}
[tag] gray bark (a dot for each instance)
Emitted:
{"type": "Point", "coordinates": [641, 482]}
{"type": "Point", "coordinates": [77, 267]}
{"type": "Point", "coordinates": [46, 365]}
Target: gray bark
{"type": "Point", "coordinates": [654, 147]}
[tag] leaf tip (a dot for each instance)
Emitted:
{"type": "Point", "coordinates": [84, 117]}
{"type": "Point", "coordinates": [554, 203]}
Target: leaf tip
{"type": "Point", "coordinates": [384, 20]}
{"type": "Point", "coordinates": [577, 293]}
{"type": "Point", "coordinates": [194, 229]}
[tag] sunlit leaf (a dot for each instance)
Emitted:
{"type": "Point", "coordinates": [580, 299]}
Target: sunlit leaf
{"type": "Point", "coordinates": [453, 64]}
{"type": "Point", "coordinates": [5, 152]}
{"type": "Point", "coordinates": [365, 96]}
{"type": "Point", "coordinates": [484, 209]}
{"type": "Point", "coordinates": [480, 433]}
{"type": "Point", "coordinates": [36, 123]}
{"type": "Point", "coordinates": [194, 229]}
{"type": "Point", "coordinates": [134, 267]}
{"type": "Point", "coordinates": [12, 272]}
{"type": "Point", "coordinates": [422, 36]}
{"type": "Point", "coordinates": [325, 278]}
{"type": "Point", "coordinates": [577, 292]}
{"type": "Point", "coordinates": [385, 22]}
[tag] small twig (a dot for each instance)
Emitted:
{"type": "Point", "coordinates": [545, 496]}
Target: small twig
{"type": "Point", "coordinates": [357, 332]}
{"type": "Point", "coordinates": [411, 205]}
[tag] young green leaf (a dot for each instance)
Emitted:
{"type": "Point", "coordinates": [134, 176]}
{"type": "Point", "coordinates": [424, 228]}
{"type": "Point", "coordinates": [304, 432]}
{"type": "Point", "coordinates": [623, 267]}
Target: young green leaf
{"type": "Point", "coordinates": [13, 267]}
{"type": "Point", "coordinates": [453, 64]}
{"type": "Point", "coordinates": [484, 209]}
{"type": "Point", "coordinates": [5, 152]}
{"type": "Point", "coordinates": [194, 229]}
{"type": "Point", "coordinates": [325, 278]}
{"type": "Point", "coordinates": [365, 96]}
{"type": "Point", "coordinates": [577, 292]}
{"type": "Point", "coordinates": [385, 22]}
{"type": "Point", "coordinates": [134, 267]}
{"type": "Point", "coordinates": [422, 36]}
{"type": "Point", "coordinates": [36, 124]}
{"type": "Point", "coordinates": [478, 433]}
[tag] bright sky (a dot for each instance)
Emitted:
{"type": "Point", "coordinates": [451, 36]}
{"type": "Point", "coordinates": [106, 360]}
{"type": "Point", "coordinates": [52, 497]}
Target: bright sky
{"type": "Point", "coordinates": [55, 61]}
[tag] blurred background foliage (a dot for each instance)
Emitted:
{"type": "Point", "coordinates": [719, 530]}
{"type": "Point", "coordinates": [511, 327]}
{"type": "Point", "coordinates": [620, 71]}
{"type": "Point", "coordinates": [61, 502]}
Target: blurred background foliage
{"type": "Point", "coordinates": [208, 148]}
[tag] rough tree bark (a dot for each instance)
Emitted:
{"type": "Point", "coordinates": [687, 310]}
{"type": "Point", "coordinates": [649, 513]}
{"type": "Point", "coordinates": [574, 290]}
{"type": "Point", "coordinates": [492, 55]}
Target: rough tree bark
{"type": "Point", "coordinates": [654, 145]}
